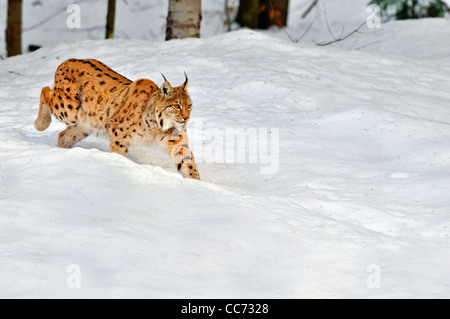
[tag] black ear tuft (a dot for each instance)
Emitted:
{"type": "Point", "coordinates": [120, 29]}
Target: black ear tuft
{"type": "Point", "coordinates": [185, 85]}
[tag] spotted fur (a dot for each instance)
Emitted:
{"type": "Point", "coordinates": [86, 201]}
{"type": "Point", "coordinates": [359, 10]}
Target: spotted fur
{"type": "Point", "coordinates": [90, 97]}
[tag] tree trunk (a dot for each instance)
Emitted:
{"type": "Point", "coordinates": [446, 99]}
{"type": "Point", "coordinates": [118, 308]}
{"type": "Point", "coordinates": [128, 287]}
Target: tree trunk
{"type": "Point", "coordinates": [110, 17]}
{"type": "Point", "coordinates": [263, 13]}
{"type": "Point", "coordinates": [273, 13]}
{"type": "Point", "coordinates": [183, 19]}
{"type": "Point", "coordinates": [14, 28]}
{"type": "Point", "coordinates": [248, 13]}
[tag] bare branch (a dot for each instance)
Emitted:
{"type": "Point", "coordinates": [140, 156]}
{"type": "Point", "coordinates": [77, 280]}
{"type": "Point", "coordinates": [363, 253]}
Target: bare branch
{"type": "Point", "coordinates": [326, 21]}
{"type": "Point", "coordinates": [304, 33]}
{"type": "Point", "coordinates": [45, 20]}
{"type": "Point", "coordinates": [289, 35]}
{"type": "Point", "coordinates": [355, 42]}
{"type": "Point", "coordinates": [366, 45]}
{"type": "Point", "coordinates": [313, 4]}
{"type": "Point", "coordinates": [343, 29]}
{"type": "Point", "coordinates": [341, 38]}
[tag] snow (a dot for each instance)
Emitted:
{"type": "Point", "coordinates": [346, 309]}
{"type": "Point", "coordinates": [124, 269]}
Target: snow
{"type": "Point", "coordinates": [133, 20]}
{"type": "Point", "coordinates": [48, 22]}
{"type": "Point", "coordinates": [145, 20]}
{"type": "Point", "coordinates": [45, 22]}
{"type": "Point", "coordinates": [343, 190]}
{"type": "Point", "coordinates": [415, 36]}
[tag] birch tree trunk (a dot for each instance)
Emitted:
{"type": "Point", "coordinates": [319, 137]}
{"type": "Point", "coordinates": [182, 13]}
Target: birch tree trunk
{"type": "Point", "coordinates": [14, 28]}
{"type": "Point", "coordinates": [110, 17]}
{"type": "Point", "coordinates": [183, 19]}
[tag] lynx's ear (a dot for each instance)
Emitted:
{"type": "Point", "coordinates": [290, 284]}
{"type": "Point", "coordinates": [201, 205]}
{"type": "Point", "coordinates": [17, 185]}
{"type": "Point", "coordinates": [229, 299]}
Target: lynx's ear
{"type": "Point", "coordinates": [185, 85]}
{"type": "Point", "coordinates": [166, 88]}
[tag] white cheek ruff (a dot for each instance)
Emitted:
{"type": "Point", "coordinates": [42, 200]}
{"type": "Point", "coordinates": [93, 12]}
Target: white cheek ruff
{"type": "Point", "coordinates": [169, 122]}
{"type": "Point", "coordinates": [179, 126]}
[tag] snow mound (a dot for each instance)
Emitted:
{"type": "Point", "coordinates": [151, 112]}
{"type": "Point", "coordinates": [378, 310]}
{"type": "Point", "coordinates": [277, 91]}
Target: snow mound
{"type": "Point", "coordinates": [356, 203]}
{"type": "Point", "coordinates": [425, 38]}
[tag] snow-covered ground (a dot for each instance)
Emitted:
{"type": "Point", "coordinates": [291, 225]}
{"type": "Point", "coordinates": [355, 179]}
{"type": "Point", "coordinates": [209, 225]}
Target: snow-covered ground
{"type": "Point", "coordinates": [334, 19]}
{"type": "Point", "coordinates": [343, 190]}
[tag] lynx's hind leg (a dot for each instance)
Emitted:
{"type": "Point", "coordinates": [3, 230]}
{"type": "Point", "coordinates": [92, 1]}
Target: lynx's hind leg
{"type": "Point", "coordinates": [71, 135]}
{"type": "Point", "coordinates": [45, 115]}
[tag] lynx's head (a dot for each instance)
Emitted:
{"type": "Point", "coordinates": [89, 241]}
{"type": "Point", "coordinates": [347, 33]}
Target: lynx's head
{"type": "Point", "coordinates": [174, 107]}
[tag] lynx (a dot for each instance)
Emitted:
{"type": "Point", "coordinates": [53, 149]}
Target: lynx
{"type": "Point", "coordinates": [90, 97]}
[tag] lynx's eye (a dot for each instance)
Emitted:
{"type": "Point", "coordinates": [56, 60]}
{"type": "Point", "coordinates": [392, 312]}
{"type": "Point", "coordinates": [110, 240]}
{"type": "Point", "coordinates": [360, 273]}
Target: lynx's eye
{"type": "Point", "coordinates": [189, 106]}
{"type": "Point", "coordinates": [176, 106]}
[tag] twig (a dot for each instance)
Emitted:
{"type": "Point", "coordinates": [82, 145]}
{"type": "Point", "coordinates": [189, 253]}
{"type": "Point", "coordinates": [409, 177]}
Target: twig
{"type": "Point", "coordinates": [12, 72]}
{"type": "Point", "coordinates": [304, 33]}
{"type": "Point", "coordinates": [366, 45]}
{"type": "Point", "coordinates": [313, 4]}
{"type": "Point", "coordinates": [343, 29]}
{"type": "Point", "coordinates": [290, 37]}
{"type": "Point", "coordinates": [44, 21]}
{"type": "Point", "coordinates": [355, 42]}
{"type": "Point", "coordinates": [326, 21]}
{"type": "Point", "coordinates": [341, 38]}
